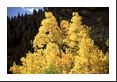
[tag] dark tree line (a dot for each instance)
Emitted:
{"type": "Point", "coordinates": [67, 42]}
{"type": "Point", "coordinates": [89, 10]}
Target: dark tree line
{"type": "Point", "coordinates": [21, 29]}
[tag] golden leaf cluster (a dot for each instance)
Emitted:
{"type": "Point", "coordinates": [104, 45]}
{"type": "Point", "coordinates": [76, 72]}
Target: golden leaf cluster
{"type": "Point", "coordinates": [66, 49]}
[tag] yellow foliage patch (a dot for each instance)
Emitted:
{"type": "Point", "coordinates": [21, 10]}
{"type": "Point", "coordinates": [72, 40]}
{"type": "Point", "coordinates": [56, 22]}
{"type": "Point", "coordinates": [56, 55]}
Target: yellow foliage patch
{"type": "Point", "coordinates": [65, 49]}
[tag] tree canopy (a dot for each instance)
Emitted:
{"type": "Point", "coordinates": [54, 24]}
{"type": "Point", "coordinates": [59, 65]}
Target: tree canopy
{"type": "Point", "coordinates": [63, 48]}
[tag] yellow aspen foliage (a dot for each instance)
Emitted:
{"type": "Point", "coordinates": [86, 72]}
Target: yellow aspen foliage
{"type": "Point", "coordinates": [90, 59]}
{"type": "Point", "coordinates": [66, 63]}
{"type": "Point", "coordinates": [48, 32]}
{"type": "Point", "coordinates": [64, 25]}
{"type": "Point", "coordinates": [66, 49]}
{"type": "Point", "coordinates": [15, 68]}
{"type": "Point", "coordinates": [74, 29]}
{"type": "Point", "coordinates": [33, 63]}
{"type": "Point", "coordinates": [51, 52]}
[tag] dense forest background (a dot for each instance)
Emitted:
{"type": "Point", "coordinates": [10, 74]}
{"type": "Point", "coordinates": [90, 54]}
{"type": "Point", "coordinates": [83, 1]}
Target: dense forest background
{"type": "Point", "coordinates": [21, 29]}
